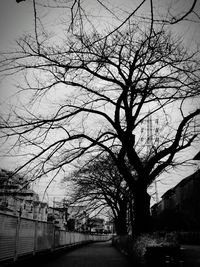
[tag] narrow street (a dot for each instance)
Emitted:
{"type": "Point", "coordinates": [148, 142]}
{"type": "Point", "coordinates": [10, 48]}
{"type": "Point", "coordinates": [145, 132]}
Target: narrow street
{"type": "Point", "coordinates": [191, 255]}
{"type": "Point", "coordinates": [100, 254]}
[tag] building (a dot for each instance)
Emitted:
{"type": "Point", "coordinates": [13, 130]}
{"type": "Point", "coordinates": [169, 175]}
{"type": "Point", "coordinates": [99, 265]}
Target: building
{"type": "Point", "coordinates": [180, 206]}
{"type": "Point", "coordinates": [40, 210]}
{"type": "Point", "coordinates": [109, 227]}
{"type": "Point", "coordinates": [16, 197]}
{"type": "Point", "coordinates": [77, 218]}
{"type": "Point", "coordinates": [97, 225]}
{"type": "Point", "coordinates": [58, 214]}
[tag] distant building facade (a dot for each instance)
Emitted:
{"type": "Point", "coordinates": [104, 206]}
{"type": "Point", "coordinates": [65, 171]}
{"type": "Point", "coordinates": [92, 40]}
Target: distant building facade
{"type": "Point", "coordinates": [180, 206]}
{"type": "Point", "coordinates": [58, 216]}
{"type": "Point", "coordinates": [77, 218]}
{"type": "Point", "coordinates": [18, 199]}
{"type": "Point", "coordinates": [97, 225]}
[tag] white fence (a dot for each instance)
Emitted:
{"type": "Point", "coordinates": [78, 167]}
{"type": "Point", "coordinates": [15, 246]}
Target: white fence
{"type": "Point", "coordinates": [20, 236]}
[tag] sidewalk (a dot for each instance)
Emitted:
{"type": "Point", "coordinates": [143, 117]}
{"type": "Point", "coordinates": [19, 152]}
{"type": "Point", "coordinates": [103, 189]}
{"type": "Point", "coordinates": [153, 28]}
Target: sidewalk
{"type": "Point", "coordinates": [190, 255]}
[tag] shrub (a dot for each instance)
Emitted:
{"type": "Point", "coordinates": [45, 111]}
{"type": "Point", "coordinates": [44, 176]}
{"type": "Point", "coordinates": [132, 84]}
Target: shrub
{"type": "Point", "coordinates": [141, 243]}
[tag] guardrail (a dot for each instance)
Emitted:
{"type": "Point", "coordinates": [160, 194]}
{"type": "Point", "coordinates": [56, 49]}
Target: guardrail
{"type": "Point", "coordinates": [20, 236]}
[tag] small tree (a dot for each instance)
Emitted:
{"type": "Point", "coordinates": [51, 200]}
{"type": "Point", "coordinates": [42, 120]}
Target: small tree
{"type": "Point", "coordinates": [99, 184]}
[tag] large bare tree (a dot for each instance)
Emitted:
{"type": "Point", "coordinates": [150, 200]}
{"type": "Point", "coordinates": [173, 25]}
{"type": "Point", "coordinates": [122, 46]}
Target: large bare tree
{"type": "Point", "coordinates": [106, 88]}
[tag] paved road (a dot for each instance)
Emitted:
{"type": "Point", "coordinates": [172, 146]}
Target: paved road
{"type": "Point", "coordinates": [101, 255]}
{"type": "Point", "coordinates": [190, 255]}
{"type": "Point", "coordinates": [93, 255]}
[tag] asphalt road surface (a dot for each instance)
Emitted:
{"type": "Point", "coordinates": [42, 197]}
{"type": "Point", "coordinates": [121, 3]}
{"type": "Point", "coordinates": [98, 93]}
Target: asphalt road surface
{"type": "Point", "coordinates": [92, 255]}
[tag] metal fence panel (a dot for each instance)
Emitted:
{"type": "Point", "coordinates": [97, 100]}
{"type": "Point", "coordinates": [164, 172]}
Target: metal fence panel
{"type": "Point", "coordinates": [19, 236]}
{"type": "Point", "coordinates": [44, 236]}
{"type": "Point", "coordinates": [25, 243]}
{"type": "Point", "coordinates": [64, 238]}
{"type": "Point", "coordinates": [8, 228]}
{"type": "Point", "coordinates": [76, 237]}
{"type": "Point", "coordinates": [56, 238]}
{"type": "Point", "coordinates": [72, 238]}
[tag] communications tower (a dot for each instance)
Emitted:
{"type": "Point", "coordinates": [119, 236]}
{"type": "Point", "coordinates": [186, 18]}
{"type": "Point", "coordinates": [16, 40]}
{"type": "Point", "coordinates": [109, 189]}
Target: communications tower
{"type": "Point", "coordinates": [149, 138]}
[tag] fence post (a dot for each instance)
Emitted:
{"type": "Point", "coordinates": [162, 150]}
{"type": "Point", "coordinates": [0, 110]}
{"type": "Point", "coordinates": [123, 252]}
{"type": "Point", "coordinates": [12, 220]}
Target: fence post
{"type": "Point", "coordinates": [54, 233]}
{"type": "Point", "coordinates": [35, 238]}
{"type": "Point", "coordinates": [17, 238]}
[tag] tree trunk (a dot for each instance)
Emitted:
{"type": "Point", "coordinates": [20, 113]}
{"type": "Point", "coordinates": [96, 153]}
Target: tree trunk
{"type": "Point", "coordinates": [120, 227]}
{"type": "Point", "coordinates": [142, 218]}
{"type": "Point", "coordinates": [131, 215]}
{"type": "Point", "coordinates": [121, 223]}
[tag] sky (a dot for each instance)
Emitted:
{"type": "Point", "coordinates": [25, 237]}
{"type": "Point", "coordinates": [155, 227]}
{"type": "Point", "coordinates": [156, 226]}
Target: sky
{"type": "Point", "coordinates": [15, 19]}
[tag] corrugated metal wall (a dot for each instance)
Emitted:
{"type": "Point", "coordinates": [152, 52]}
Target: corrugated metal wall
{"type": "Point", "coordinates": [44, 236]}
{"type": "Point", "coordinates": [8, 234]}
{"type": "Point", "coordinates": [26, 236]}
{"type": "Point", "coordinates": [20, 236]}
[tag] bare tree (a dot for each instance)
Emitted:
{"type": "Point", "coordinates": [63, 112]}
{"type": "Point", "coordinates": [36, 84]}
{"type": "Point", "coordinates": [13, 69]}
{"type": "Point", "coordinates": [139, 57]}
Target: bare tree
{"type": "Point", "coordinates": [99, 184]}
{"type": "Point", "coordinates": [110, 86]}
{"type": "Point", "coordinates": [80, 13]}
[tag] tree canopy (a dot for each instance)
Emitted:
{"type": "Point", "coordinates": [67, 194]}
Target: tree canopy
{"type": "Point", "coordinates": [98, 185]}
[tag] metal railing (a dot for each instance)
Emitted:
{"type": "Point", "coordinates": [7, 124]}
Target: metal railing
{"type": "Point", "coordinates": [20, 236]}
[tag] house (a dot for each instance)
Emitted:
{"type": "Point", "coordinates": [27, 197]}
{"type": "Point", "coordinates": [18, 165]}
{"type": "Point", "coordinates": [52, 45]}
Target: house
{"type": "Point", "coordinates": [57, 216]}
{"type": "Point", "coordinates": [97, 225]}
{"type": "Point", "coordinates": [179, 207]}
{"type": "Point", "coordinates": [77, 218]}
{"type": "Point", "coordinates": [16, 197]}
